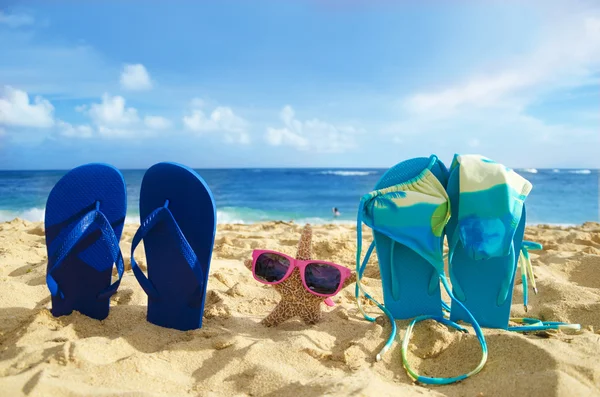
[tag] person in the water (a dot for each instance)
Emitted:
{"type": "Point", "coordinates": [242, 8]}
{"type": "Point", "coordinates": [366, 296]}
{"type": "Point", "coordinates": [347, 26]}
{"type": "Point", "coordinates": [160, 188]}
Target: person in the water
{"type": "Point", "coordinates": [336, 213]}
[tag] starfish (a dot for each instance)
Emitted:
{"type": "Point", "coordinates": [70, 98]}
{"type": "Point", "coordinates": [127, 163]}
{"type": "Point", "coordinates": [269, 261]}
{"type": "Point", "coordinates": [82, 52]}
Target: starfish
{"type": "Point", "coordinates": [296, 301]}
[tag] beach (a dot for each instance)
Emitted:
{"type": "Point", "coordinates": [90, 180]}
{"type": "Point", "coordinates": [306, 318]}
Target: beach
{"type": "Point", "coordinates": [235, 355]}
{"type": "Point", "coordinates": [461, 136]}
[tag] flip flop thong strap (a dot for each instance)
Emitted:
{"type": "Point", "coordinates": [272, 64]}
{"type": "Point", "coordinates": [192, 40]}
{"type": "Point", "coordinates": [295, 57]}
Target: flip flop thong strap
{"type": "Point", "coordinates": [447, 322]}
{"type": "Point", "coordinates": [97, 218]}
{"type": "Point", "coordinates": [534, 324]}
{"type": "Point", "coordinates": [360, 269]}
{"type": "Point", "coordinates": [528, 277]}
{"type": "Point", "coordinates": [164, 215]}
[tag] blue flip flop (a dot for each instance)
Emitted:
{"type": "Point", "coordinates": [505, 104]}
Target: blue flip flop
{"type": "Point", "coordinates": [410, 284]}
{"type": "Point", "coordinates": [178, 224]}
{"type": "Point", "coordinates": [85, 213]}
{"type": "Point", "coordinates": [485, 233]}
{"type": "Point", "coordinates": [485, 239]}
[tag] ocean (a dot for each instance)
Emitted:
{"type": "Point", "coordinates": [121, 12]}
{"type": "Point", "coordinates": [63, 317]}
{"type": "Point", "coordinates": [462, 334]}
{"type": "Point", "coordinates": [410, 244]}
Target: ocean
{"type": "Point", "coordinates": [559, 196]}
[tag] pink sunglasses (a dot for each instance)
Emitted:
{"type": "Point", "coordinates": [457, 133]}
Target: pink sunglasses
{"type": "Point", "coordinates": [318, 277]}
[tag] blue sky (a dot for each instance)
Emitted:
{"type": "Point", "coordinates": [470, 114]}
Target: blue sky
{"type": "Point", "coordinates": [298, 84]}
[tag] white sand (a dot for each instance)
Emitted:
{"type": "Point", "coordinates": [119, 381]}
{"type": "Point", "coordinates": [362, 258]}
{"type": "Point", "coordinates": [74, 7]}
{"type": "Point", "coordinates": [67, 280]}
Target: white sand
{"type": "Point", "coordinates": [233, 354]}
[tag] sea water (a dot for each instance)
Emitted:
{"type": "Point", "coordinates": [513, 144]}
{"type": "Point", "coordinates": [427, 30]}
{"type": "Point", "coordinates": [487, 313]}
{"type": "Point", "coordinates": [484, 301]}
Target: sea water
{"type": "Point", "coordinates": [559, 196]}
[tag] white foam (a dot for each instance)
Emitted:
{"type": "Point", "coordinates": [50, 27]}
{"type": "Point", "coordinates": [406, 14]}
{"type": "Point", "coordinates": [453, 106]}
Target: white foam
{"type": "Point", "coordinates": [31, 215]}
{"type": "Point", "coordinates": [530, 170]}
{"type": "Point", "coordinates": [583, 172]}
{"type": "Point", "coordinates": [225, 217]}
{"type": "Point", "coordinates": [556, 170]}
{"type": "Point", "coordinates": [130, 219]}
{"type": "Point", "coordinates": [37, 215]}
{"type": "Point", "coordinates": [347, 173]}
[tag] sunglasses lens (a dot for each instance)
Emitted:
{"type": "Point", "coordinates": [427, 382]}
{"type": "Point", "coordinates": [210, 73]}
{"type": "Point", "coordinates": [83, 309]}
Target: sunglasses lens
{"type": "Point", "coordinates": [271, 267]}
{"type": "Point", "coordinates": [322, 278]}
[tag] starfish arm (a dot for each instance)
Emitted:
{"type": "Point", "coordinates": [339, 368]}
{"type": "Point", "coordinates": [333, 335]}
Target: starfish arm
{"type": "Point", "coordinates": [311, 313]}
{"type": "Point", "coordinates": [281, 313]}
{"type": "Point", "coordinates": [305, 244]}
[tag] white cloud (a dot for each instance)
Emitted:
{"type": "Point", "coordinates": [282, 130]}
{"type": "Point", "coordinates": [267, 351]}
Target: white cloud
{"type": "Point", "coordinates": [285, 137]}
{"type": "Point", "coordinates": [157, 122]}
{"type": "Point", "coordinates": [113, 112]}
{"type": "Point", "coordinates": [17, 110]}
{"type": "Point", "coordinates": [242, 138]}
{"type": "Point", "coordinates": [15, 20]}
{"type": "Point", "coordinates": [113, 119]}
{"type": "Point", "coordinates": [569, 57]}
{"type": "Point", "coordinates": [70, 131]}
{"type": "Point", "coordinates": [110, 118]}
{"type": "Point", "coordinates": [311, 134]}
{"type": "Point", "coordinates": [512, 138]}
{"type": "Point", "coordinates": [135, 77]}
{"type": "Point", "coordinates": [479, 92]}
{"type": "Point", "coordinates": [490, 109]}
{"type": "Point", "coordinates": [222, 118]}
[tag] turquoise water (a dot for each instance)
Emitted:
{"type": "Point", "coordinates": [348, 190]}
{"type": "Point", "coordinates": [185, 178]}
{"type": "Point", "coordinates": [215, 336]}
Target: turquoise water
{"type": "Point", "coordinates": [308, 195]}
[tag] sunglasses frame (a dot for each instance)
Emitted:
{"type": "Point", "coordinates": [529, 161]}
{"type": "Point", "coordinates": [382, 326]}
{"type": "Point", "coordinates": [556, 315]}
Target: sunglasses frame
{"type": "Point", "coordinates": [301, 265]}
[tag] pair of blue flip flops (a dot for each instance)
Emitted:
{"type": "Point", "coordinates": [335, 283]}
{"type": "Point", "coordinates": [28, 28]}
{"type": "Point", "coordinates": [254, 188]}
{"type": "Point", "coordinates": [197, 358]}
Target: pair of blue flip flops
{"type": "Point", "coordinates": [480, 206]}
{"type": "Point", "coordinates": [85, 215]}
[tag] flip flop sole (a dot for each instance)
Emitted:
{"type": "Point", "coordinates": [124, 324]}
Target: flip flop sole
{"type": "Point", "coordinates": [87, 269]}
{"type": "Point", "coordinates": [406, 281]}
{"type": "Point", "coordinates": [193, 207]}
{"type": "Point", "coordinates": [481, 280]}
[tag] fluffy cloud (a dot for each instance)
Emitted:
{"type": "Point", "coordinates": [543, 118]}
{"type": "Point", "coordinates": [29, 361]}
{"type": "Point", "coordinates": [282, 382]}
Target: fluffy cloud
{"type": "Point", "coordinates": [569, 57]}
{"type": "Point", "coordinates": [311, 134]}
{"type": "Point", "coordinates": [112, 111]}
{"type": "Point", "coordinates": [135, 77]}
{"type": "Point", "coordinates": [114, 119]}
{"type": "Point", "coordinates": [15, 20]}
{"type": "Point", "coordinates": [285, 137]}
{"type": "Point", "coordinates": [110, 118]}
{"type": "Point", "coordinates": [16, 109]}
{"type": "Point", "coordinates": [220, 119]}
{"type": "Point", "coordinates": [157, 122]}
{"type": "Point", "coordinates": [78, 131]}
